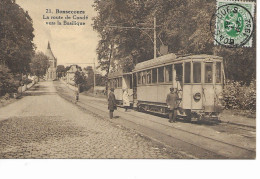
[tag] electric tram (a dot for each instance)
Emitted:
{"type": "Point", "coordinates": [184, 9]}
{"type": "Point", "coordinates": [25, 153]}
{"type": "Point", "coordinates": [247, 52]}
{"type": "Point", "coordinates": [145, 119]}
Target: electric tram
{"type": "Point", "coordinates": [198, 79]}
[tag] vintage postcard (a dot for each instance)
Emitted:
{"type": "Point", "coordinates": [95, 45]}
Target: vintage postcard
{"type": "Point", "coordinates": [127, 79]}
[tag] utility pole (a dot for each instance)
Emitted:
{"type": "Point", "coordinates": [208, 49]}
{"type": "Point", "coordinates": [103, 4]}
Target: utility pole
{"type": "Point", "coordinates": [154, 38]}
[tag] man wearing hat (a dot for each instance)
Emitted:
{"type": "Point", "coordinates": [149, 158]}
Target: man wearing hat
{"type": "Point", "coordinates": [171, 101]}
{"type": "Point", "coordinates": [111, 103]}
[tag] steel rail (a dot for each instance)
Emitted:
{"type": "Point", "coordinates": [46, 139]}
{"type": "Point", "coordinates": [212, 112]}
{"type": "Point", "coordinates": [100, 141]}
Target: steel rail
{"type": "Point", "coordinates": [184, 131]}
{"type": "Point", "coordinates": [97, 107]}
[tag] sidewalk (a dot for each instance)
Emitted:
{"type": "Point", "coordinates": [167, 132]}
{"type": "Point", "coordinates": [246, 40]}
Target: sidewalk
{"type": "Point", "coordinates": [225, 117]}
{"type": "Point", "coordinates": [229, 117]}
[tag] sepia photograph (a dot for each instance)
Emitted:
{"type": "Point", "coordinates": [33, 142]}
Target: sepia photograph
{"type": "Point", "coordinates": [128, 79]}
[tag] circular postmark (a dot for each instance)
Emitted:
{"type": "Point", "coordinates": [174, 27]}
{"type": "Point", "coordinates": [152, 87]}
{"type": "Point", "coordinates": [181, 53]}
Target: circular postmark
{"type": "Point", "coordinates": [233, 25]}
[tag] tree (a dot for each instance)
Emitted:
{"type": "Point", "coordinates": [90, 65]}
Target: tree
{"type": "Point", "coordinates": [182, 25]}
{"type": "Point", "coordinates": [79, 78]}
{"type": "Point", "coordinates": [16, 36]}
{"type": "Point", "coordinates": [39, 64]}
{"type": "Point", "coordinates": [8, 83]}
{"type": "Point", "coordinates": [90, 77]}
{"type": "Point", "coordinates": [60, 70]}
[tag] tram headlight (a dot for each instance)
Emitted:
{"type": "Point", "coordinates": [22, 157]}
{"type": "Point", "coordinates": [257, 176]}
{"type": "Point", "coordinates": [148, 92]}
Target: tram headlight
{"type": "Point", "coordinates": [197, 96]}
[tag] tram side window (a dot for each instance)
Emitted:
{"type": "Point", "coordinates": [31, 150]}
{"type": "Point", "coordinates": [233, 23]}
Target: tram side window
{"type": "Point", "coordinates": [208, 72]}
{"type": "Point", "coordinates": [139, 78]}
{"type": "Point", "coordinates": [120, 82]}
{"type": "Point", "coordinates": [218, 72]}
{"type": "Point", "coordinates": [115, 83]}
{"type": "Point", "coordinates": [196, 72]}
{"type": "Point", "coordinates": [187, 72]}
{"type": "Point", "coordinates": [168, 73]}
{"type": "Point", "coordinates": [161, 74]}
{"type": "Point", "coordinates": [144, 77]}
{"type": "Point", "coordinates": [149, 76]}
{"type": "Point", "coordinates": [112, 84]}
{"type": "Point", "coordinates": [154, 74]}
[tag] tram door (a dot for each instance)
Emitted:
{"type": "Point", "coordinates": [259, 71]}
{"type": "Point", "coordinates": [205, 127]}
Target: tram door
{"type": "Point", "coordinates": [178, 80]}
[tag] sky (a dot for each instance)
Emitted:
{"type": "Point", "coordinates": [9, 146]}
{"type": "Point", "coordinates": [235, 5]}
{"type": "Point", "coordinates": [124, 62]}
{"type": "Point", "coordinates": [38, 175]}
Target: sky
{"type": "Point", "coordinates": [70, 44]}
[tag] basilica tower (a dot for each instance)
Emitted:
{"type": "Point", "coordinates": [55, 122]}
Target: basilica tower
{"type": "Point", "coordinates": [51, 72]}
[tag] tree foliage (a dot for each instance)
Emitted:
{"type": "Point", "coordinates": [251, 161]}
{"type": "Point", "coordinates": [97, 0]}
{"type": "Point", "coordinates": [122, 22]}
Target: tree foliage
{"type": "Point", "coordinates": [79, 78]}
{"type": "Point", "coordinates": [240, 96]}
{"type": "Point", "coordinates": [8, 83]}
{"type": "Point", "coordinates": [16, 36]}
{"type": "Point", "coordinates": [182, 25]}
{"type": "Point", "coordinates": [39, 64]}
{"type": "Point", "coordinates": [61, 70]}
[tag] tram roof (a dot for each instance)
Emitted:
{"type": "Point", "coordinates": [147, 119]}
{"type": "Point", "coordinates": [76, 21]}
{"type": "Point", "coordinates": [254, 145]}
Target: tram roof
{"type": "Point", "coordinates": [168, 59]}
{"type": "Point", "coordinates": [115, 74]}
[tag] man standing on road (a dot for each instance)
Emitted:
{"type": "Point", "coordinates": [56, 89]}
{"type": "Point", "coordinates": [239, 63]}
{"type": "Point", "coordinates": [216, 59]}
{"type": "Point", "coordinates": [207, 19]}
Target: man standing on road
{"type": "Point", "coordinates": [111, 103]}
{"type": "Point", "coordinates": [172, 104]}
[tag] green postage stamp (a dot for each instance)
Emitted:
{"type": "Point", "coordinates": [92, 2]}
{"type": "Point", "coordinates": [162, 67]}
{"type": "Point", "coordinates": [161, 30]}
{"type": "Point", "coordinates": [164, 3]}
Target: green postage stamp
{"type": "Point", "coordinates": [234, 23]}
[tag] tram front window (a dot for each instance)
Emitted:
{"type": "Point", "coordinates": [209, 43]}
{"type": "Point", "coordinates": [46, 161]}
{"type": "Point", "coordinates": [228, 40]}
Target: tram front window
{"type": "Point", "coordinates": [161, 74]}
{"type": "Point", "coordinates": [168, 73]}
{"type": "Point", "coordinates": [208, 72]}
{"type": "Point", "coordinates": [178, 68]}
{"type": "Point", "coordinates": [218, 72]}
{"type": "Point", "coordinates": [139, 78]}
{"type": "Point", "coordinates": [196, 72]}
{"type": "Point", "coordinates": [149, 77]}
{"type": "Point", "coordinates": [144, 77]}
{"type": "Point", "coordinates": [154, 75]}
{"type": "Point", "coordinates": [187, 72]}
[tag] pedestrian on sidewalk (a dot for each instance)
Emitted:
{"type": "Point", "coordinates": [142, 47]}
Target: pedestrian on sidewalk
{"type": "Point", "coordinates": [172, 104]}
{"type": "Point", "coordinates": [76, 96]}
{"type": "Point", "coordinates": [111, 103]}
{"type": "Point", "coordinates": [126, 102]}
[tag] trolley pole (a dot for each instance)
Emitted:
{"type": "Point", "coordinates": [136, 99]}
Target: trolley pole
{"type": "Point", "coordinates": [154, 36]}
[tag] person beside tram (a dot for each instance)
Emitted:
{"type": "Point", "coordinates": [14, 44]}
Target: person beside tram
{"type": "Point", "coordinates": [126, 102]}
{"type": "Point", "coordinates": [171, 101]}
{"type": "Point", "coordinates": [111, 103]}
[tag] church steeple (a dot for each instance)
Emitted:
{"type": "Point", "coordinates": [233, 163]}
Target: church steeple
{"type": "Point", "coordinates": [51, 72]}
{"type": "Point", "coordinates": [49, 46]}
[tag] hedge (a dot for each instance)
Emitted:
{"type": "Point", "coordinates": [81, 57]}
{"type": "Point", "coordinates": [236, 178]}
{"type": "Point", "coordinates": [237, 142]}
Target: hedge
{"type": "Point", "coordinates": [240, 96]}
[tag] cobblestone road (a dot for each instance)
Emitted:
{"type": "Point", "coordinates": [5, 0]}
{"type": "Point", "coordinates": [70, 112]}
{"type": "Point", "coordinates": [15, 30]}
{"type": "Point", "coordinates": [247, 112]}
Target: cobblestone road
{"type": "Point", "coordinates": [43, 125]}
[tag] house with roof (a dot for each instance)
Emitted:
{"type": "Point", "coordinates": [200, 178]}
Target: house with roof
{"type": "Point", "coordinates": [70, 74]}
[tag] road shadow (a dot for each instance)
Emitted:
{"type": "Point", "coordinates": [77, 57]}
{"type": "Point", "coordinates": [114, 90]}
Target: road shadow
{"type": "Point", "coordinates": [38, 90]}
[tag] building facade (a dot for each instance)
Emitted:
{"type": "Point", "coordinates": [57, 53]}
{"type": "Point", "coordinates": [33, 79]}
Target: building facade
{"type": "Point", "coordinates": [51, 73]}
{"type": "Point", "coordinates": [71, 73]}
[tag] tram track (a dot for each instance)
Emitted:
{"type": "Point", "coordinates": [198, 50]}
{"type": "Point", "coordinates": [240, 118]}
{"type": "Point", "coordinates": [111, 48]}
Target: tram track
{"type": "Point", "coordinates": [248, 151]}
{"type": "Point", "coordinates": [238, 126]}
{"type": "Point", "coordinates": [233, 151]}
